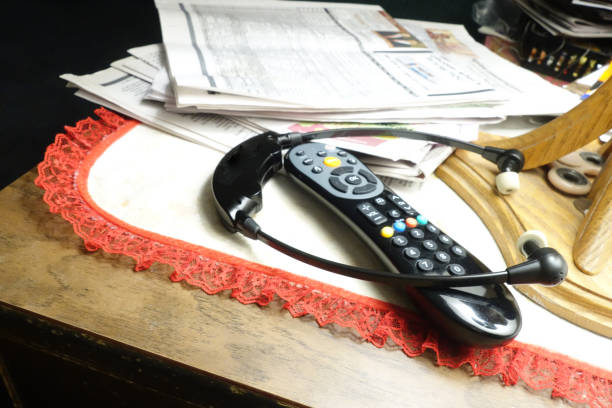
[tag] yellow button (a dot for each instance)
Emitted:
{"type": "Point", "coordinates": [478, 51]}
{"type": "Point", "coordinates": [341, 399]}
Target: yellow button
{"type": "Point", "coordinates": [386, 232]}
{"type": "Point", "coordinates": [331, 161]}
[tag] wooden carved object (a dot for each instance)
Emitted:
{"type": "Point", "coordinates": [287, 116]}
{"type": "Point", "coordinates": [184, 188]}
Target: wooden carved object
{"type": "Point", "coordinates": [593, 245]}
{"type": "Point", "coordinates": [584, 240]}
{"type": "Point", "coordinates": [566, 133]}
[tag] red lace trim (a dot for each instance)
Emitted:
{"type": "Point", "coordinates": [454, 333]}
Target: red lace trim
{"type": "Point", "coordinates": [63, 176]}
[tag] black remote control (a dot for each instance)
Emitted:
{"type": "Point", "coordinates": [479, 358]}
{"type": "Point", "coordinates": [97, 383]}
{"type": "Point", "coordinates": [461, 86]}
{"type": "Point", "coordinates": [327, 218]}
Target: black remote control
{"type": "Point", "coordinates": [408, 244]}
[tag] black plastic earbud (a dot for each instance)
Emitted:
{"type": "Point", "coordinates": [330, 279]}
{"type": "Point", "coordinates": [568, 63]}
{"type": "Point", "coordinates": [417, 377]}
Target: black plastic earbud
{"type": "Point", "coordinates": [544, 265]}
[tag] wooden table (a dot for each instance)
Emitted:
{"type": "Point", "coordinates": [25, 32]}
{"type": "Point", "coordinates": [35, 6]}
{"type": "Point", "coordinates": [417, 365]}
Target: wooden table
{"type": "Point", "coordinates": [73, 320]}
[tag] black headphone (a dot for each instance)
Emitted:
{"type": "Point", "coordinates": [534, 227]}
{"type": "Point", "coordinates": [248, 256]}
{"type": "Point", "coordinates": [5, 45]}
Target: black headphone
{"type": "Point", "coordinates": [237, 189]}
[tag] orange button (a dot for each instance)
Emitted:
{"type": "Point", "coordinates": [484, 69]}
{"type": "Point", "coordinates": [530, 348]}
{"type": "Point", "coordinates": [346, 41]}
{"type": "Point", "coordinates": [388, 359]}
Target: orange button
{"type": "Point", "coordinates": [386, 232]}
{"type": "Point", "coordinates": [331, 161]}
{"type": "Point", "coordinates": [411, 222]}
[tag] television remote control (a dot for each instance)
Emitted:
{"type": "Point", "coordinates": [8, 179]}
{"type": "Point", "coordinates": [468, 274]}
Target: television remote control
{"type": "Point", "coordinates": [408, 244]}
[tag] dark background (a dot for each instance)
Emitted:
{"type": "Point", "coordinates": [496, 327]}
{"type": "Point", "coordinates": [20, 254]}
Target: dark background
{"type": "Point", "coordinates": [44, 39]}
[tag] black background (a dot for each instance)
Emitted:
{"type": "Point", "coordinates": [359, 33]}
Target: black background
{"type": "Point", "coordinates": [44, 39]}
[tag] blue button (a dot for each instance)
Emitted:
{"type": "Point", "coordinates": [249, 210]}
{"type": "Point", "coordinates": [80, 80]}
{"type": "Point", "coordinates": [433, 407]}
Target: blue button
{"type": "Point", "coordinates": [421, 219]}
{"type": "Point", "coordinates": [399, 226]}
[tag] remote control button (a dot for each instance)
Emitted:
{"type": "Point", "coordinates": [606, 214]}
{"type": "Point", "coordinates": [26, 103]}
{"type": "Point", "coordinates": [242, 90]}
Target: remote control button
{"type": "Point", "coordinates": [380, 201]}
{"type": "Point", "coordinates": [416, 233]}
{"type": "Point", "coordinates": [456, 269]}
{"type": "Point", "coordinates": [353, 179]}
{"type": "Point", "coordinates": [299, 153]}
{"type": "Point", "coordinates": [341, 153]}
{"type": "Point", "coordinates": [386, 232]}
{"type": "Point", "coordinates": [350, 160]}
{"type": "Point", "coordinates": [338, 185]}
{"type": "Point", "coordinates": [372, 213]}
{"type": "Point", "coordinates": [430, 245]}
{"type": "Point", "coordinates": [432, 228]}
{"type": "Point", "coordinates": [368, 176]}
{"type": "Point", "coordinates": [411, 222]}
{"type": "Point", "coordinates": [394, 213]}
{"type": "Point", "coordinates": [421, 219]}
{"type": "Point", "coordinates": [331, 161]}
{"type": "Point", "coordinates": [316, 170]}
{"type": "Point", "coordinates": [399, 226]}
{"type": "Point", "coordinates": [342, 170]}
{"type": "Point", "coordinates": [365, 189]}
{"type": "Point", "coordinates": [307, 161]}
{"type": "Point", "coordinates": [399, 241]}
{"type": "Point", "coordinates": [445, 239]}
{"type": "Point", "coordinates": [397, 200]}
{"type": "Point", "coordinates": [321, 153]}
{"type": "Point", "coordinates": [459, 251]}
{"type": "Point", "coordinates": [425, 265]}
{"type": "Point", "coordinates": [442, 256]}
{"type": "Point", "coordinates": [412, 253]}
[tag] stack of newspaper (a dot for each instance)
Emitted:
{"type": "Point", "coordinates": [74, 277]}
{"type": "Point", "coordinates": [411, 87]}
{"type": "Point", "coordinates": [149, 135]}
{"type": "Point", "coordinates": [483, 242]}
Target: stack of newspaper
{"type": "Point", "coordinates": [230, 69]}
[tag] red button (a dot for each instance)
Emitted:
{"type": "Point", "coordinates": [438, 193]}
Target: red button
{"type": "Point", "coordinates": [411, 222]}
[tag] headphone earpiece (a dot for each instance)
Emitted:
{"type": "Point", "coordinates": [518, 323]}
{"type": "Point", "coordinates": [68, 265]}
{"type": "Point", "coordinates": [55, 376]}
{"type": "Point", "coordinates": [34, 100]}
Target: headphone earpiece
{"type": "Point", "coordinates": [544, 265]}
{"type": "Point", "coordinates": [509, 162]}
{"type": "Point", "coordinates": [507, 182]}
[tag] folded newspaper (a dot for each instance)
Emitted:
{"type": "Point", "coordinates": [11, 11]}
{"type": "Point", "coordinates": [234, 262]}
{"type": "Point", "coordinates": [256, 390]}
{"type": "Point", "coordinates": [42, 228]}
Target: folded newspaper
{"type": "Point", "coordinates": [228, 70]}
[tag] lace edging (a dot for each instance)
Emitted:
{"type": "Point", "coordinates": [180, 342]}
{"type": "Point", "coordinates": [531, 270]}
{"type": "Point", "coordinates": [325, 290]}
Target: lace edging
{"type": "Point", "coordinates": [62, 174]}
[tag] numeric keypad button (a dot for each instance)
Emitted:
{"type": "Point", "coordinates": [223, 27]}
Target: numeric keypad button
{"type": "Point", "coordinates": [399, 241]}
{"type": "Point", "coordinates": [456, 269]}
{"type": "Point", "coordinates": [412, 253]}
{"type": "Point", "coordinates": [442, 256]}
{"type": "Point", "coordinates": [430, 245]}
{"type": "Point", "coordinates": [445, 239]}
{"type": "Point", "coordinates": [425, 265]}
{"type": "Point", "coordinates": [459, 251]}
{"type": "Point", "coordinates": [432, 228]}
{"type": "Point", "coordinates": [417, 233]}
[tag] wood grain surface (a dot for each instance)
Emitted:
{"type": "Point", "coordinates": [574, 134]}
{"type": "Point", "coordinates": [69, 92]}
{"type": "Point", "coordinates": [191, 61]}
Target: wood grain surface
{"type": "Point", "coordinates": [593, 245]}
{"type": "Point", "coordinates": [584, 299]}
{"type": "Point", "coordinates": [566, 133]}
{"type": "Point", "coordinates": [46, 270]}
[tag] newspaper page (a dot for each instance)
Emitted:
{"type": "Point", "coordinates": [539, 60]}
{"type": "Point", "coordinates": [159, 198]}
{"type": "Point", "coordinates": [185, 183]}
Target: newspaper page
{"type": "Point", "coordinates": [136, 67]}
{"type": "Point", "coordinates": [529, 94]}
{"type": "Point", "coordinates": [127, 91]}
{"type": "Point", "coordinates": [389, 156]}
{"type": "Point", "coordinates": [152, 54]}
{"type": "Point", "coordinates": [225, 104]}
{"type": "Point", "coordinates": [328, 56]}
